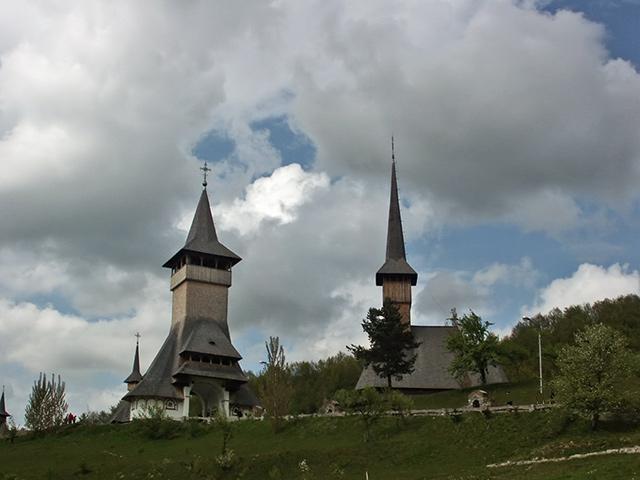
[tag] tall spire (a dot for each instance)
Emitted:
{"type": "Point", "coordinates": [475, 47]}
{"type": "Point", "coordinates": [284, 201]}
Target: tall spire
{"type": "Point", "coordinates": [202, 237]}
{"type": "Point", "coordinates": [135, 375]}
{"type": "Point", "coordinates": [395, 237]}
{"type": "Point", "coordinates": [396, 258]}
{"type": "Point", "coordinates": [202, 228]}
{"type": "Point", "coordinates": [3, 411]}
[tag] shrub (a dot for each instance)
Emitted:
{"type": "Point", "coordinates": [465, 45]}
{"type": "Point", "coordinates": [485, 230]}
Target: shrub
{"type": "Point", "coordinates": [226, 460]}
{"type": "Point", "coordinates": [195, 428]}
{"type": "Point", "coordinates": [367, 403]}
{"type": "Point", "coordinates": [155, 425]}
{"type": "Point", "coordinates": [399, 403]}
{"type": "Point", "coordinates": [226, 429]}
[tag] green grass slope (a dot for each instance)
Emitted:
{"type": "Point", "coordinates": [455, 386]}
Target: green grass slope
{"type": "Point", "coordinates": [522, 393]}
{"type": "Point", "coordinates": [423, 448]}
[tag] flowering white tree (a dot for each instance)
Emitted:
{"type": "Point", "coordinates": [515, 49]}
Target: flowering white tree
{"type": "Point", "coordinates": [593, 372]}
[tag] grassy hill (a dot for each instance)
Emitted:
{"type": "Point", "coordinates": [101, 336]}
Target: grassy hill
{"type": "Point", "coordinates": [424, 448]}
{"type": "Point", "coordinates": [521, 393]}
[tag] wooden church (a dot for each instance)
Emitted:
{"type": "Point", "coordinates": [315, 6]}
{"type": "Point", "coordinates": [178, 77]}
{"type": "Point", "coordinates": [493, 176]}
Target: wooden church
{"type": "Point", "coordinates": [197, 360]}
{"type": "Point", "coordinates": [397, 277]}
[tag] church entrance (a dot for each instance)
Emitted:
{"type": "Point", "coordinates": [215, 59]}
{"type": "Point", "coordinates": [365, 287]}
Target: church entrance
{"type": "Point", "coordinates": [208, 398]}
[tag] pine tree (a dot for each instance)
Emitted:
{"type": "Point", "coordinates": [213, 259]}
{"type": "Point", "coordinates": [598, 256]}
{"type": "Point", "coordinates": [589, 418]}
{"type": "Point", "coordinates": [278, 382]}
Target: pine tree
{"type": "Point", "coordinates": [391, 343]}
{"type": "Point", "coordinates": [47, 404]}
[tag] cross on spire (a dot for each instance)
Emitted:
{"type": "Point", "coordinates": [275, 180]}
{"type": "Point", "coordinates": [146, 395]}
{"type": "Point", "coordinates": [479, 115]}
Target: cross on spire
{"type": "Point", "coordinates": [137, 335]}
{"type": "Point", "coordinates": [393, 150]}
{"type": "Point", "coordinates": [205, 170]}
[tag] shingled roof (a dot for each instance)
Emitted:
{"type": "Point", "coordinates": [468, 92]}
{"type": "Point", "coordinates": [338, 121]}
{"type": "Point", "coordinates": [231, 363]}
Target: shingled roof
{"type": "Point", "coordinates": [135, 376]}
{"type": "Point", "coordinates": [122, 413]}
{"type": "Point", "coordinates": [396, 260]}
{"type": "Point", "coordinates": [432, 365]}
{"type": "Point", "coordinates": [195, 336]}
{"type": "Point", "coordinates": [205, 337]}
{"type": "Point", "coordinates": [202, 237]}
{"type": "Point", "coordinates": [157, 381]}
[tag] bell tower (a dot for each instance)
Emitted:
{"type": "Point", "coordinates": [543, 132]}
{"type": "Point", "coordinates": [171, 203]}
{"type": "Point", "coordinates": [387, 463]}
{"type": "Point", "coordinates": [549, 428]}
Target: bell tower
{"type": "Point", "coordinates": [197, 358]}
{"type": "Point", "coordinates": [201, 273]}
{"type": "Point", "coordinates": [396, 277]}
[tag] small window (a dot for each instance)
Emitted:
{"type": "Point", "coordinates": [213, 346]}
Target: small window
{"type": "Point", "coordinates": [171, 405]}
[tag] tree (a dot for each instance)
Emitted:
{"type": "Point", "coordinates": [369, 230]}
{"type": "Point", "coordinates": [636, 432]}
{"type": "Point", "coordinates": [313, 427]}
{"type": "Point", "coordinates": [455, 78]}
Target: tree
{"type": "Point", "coordinates": [367, 403]}
{"type": "Point", "coordinates": [275, 387]}
{"type": "Point", "coordinates": [391, 342]}
{"type": "Point", "coordinates": [474, 346]}
{"type": "Point", "coordinates": [519, 350]}
{"type": "Point", "coordinates": [313, 382]}
{"type": "Point", "coordinates": [593, 372]}
{"type": "Point", "coordinates": [47, 404]}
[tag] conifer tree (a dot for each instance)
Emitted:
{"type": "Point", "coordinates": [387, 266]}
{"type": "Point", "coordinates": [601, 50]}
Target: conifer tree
{"type": "Point", "coordinates": [391, 343]}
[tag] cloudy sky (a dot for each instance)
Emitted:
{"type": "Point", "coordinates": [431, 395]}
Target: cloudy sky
{"type": "Point", "coordinates": [517, 133]}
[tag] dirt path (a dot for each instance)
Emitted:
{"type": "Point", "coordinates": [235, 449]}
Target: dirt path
{"type": "Point", "coordinates": [534, 461]}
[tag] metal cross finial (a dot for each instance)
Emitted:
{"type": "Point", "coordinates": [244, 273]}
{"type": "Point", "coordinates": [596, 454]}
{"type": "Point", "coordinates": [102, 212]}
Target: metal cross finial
{"type": "Point", "coordinates": [393, 150]}
{"type": "Point", "coordinates": [205, 170]}
{"type": "Point", "coordinates": [137, 335]}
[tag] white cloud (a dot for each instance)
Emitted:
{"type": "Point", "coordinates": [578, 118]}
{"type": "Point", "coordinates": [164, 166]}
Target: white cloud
{"type": "Point", "coordinates": [91, 356]}
{"type": "Point", "coordinates": [42, 338]}
{"type": "Point", "coordinates": [91, 287]}
{"type": "Point", "coordinates": [588, 284]}
{"type": "Point", "coordinates": [486, 122]}
{"type": "Point", "coordinates": [521, 274]}
{"type": "Point", "coordinates": [276, 197]}
{"type": "Point", "coordinates": [463, 290]}
{"type": "Point", "coordinates": [500, 112]}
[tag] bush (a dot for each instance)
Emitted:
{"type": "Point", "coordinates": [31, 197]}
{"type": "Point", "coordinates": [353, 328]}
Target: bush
{"type": "Point", "coordinates": [101, 417]}
{"type": "Point", "coordinates": [399, 403]}
{"type": "Point", "coordinates": [155, 425]}
{"type": "Point", "coordinates": [367, 403]}
{"type": "Point", "coordinates": [196, 428]}
{"type": "Point", "coordinates": [226, 430]}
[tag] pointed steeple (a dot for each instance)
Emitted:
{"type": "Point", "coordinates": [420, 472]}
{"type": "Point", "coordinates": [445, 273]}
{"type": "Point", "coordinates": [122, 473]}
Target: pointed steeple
{"type": "Point", "coordinates": [396, 259]}
{"type": "Point", "coordinates": [3, 411]}
{"type": "Point", "coordinates": [202, 231]}
{"type": "Point", "coordinates": [395, 238]}
{"type": "Point", "coordinates": [135, 376]}
{"type": "Point", "coordinates": [202, 237]}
